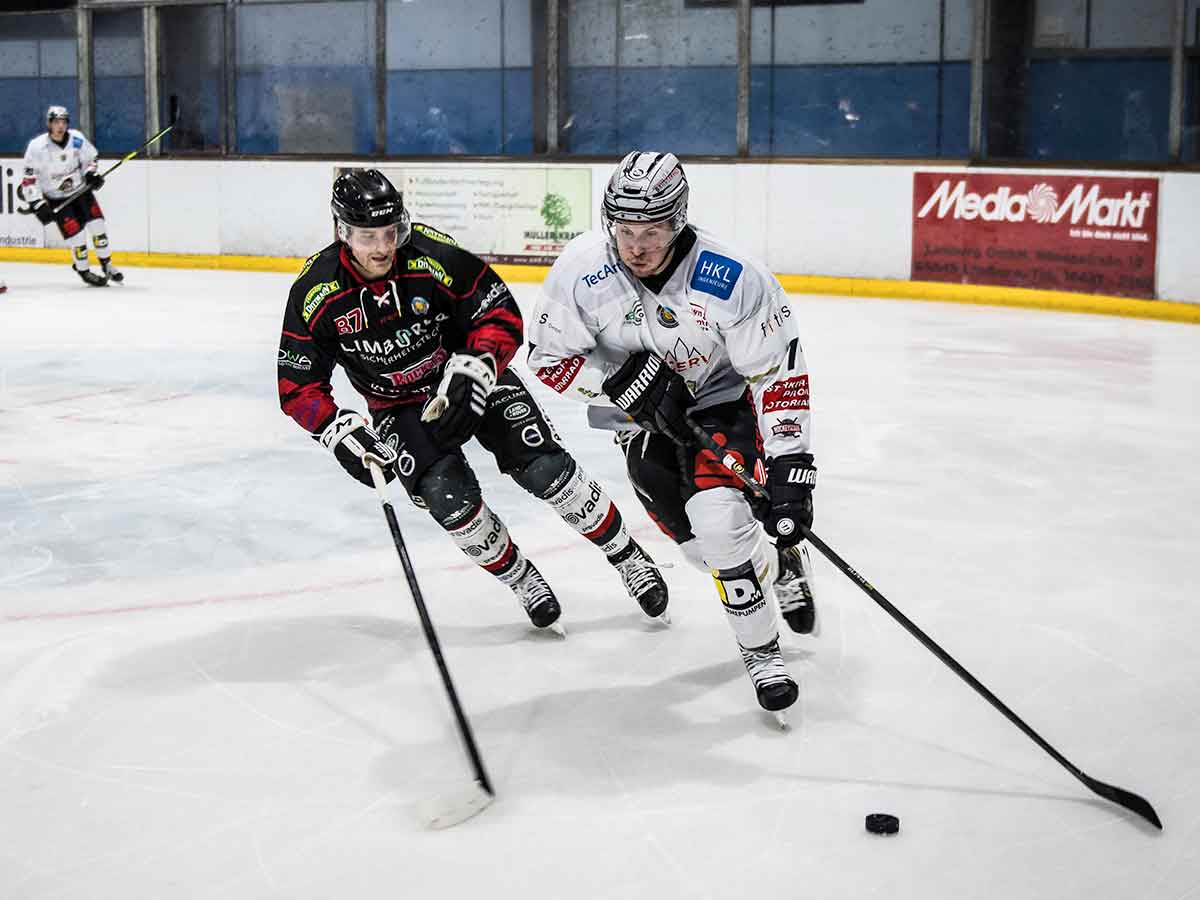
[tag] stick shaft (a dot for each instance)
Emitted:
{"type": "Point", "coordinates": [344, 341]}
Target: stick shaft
{"type": "Point", "coordinates": [124, 159]}
{"type": "Point", "coordinates": [435, 647]}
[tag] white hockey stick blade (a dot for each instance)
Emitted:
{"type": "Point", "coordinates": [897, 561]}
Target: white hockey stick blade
{"type": "Point", "coordinates": [447, 810]}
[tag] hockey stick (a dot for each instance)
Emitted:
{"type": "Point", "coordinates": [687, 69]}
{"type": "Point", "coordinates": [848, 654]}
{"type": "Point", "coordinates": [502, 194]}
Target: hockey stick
{"type": "Point", "coordinates": [1119, 796]}
{"type": "Point", "coordinates": [441, 812]}
{"type": "Point", "coordinates": [124, 159]}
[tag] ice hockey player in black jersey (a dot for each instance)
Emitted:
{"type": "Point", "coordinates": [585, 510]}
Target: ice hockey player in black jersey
{"type": "Point", "coordinates": [57, 164]}
{"type": "Point", "coordinates": [425, 332]}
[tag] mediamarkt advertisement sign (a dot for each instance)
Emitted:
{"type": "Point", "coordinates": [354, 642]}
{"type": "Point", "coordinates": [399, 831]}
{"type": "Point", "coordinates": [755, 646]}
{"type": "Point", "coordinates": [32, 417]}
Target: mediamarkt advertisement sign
{"type": "Point", "coordinates": [1059, 232]}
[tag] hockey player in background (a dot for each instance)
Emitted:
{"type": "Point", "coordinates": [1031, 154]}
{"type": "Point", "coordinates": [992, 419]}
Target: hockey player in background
{"type": "Point", "coordinates": [425, 332]}
{"type": "Point", "coordinates": [57, 164]}
{"type": "Point", "coordinates": [652, 320]}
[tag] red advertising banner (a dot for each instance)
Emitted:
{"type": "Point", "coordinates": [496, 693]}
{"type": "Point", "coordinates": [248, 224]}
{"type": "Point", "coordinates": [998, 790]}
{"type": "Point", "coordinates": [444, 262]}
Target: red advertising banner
{"type": "Point", "coordinates": [1059, 232]}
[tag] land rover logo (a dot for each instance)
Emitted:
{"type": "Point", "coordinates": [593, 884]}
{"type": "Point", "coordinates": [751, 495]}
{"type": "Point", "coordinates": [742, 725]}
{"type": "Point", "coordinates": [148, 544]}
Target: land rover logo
{"type": "Point", "coordinates": [516, 411]}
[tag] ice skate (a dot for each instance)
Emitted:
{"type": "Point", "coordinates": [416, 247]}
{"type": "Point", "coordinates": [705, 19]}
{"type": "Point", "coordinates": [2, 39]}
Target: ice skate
{"type": "Point", "coordinates": [774, 686]}
{"type": "Point", "coordinates": [538, 599]}
{"type": "Point", "coordinates": [643, 581]}
{"type": "Point", "coordinates": [793, 590]}
{"type": "Point", "coordinates": [111, 272]}
{"type": "Point", "coordinates": [91, 279]}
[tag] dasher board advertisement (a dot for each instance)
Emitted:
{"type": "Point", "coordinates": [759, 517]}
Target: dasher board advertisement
{"type": "Point", "coordinates": [16, 230]}
{"type": "Point", "coordinates": [1092, 234]}
{"type": "Point", "coordinates": [503, 214]}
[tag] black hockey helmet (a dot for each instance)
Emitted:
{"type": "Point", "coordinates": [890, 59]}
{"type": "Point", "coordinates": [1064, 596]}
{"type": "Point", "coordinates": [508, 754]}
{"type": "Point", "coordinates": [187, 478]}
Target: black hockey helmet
{"type": "Point", "coordinates": [364, 198]}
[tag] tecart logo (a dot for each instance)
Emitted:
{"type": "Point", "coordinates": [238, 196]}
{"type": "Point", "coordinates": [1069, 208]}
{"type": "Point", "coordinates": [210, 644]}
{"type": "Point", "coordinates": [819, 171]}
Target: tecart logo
{"type": "Point", "coordinates": [1040, 203]}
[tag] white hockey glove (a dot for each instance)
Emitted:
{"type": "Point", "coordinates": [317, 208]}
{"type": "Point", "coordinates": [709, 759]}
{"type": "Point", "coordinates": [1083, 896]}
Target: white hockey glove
{"type": "Point", "coordinates": [456, 411]}
{"type": "Point", "coordinates": [355, 445]}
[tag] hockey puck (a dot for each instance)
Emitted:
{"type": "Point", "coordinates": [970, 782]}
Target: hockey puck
{"type": "Point", "coordinates": [882, 823]}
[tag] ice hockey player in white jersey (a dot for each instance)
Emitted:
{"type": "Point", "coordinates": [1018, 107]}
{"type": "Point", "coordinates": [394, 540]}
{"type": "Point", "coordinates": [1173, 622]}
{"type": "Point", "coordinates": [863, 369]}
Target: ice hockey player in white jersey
{"type": "Point", "coordinates": [652, 321]}
{"type": "Point", "coordinates": [57, 164]}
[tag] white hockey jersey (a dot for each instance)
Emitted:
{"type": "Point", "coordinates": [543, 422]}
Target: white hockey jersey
{"type": "Point", "coordinates": [52, 172]}
{"type": "Point", "coordinates": [722, 321]}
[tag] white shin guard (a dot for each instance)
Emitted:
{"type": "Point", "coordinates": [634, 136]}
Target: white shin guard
{"type": "Point", "coordinates": [732, 543]}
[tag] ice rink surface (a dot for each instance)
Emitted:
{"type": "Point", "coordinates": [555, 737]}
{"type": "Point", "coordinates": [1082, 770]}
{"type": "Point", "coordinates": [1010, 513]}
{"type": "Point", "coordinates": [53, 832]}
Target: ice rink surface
{"type": "Point", "coordinates": [213, 684]}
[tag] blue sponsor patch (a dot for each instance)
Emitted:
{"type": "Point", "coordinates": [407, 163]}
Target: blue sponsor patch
{"type": "Point", "coordinates": [715, 274]}
{"type": "Point", "coordinates": [77, 142]}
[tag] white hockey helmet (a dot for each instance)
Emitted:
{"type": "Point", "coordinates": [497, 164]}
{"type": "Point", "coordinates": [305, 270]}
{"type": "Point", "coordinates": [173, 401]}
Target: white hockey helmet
{"type": "Point", "coordinates": [646, 187]}
{"type": "Point", "coordinates": [57, 112]}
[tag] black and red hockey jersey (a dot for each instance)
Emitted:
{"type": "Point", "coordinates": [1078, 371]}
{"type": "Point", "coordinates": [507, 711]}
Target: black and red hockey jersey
{"type": "Point", "coordinates": [392, 336]}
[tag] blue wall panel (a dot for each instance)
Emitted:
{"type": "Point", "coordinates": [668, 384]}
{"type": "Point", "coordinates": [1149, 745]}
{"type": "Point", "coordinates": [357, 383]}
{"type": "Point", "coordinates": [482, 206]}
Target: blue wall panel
{"type": "Point", "coordinates": [23, 104]}
{"type": "Point", "coordinates": [859, 110]}
{"type": "Point", "coordinates": [460, 111]}
{"type": "Point", "coordinates": [120, 114]}
{"type": "Point", "coordinates": [689, 110]}
{"type": "Point", "coordinates": [258, 124]}
{"type": "Point", "coordinates": [1098, 109]}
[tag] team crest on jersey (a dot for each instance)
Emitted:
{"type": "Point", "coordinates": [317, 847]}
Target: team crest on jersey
{"type": "Point", "coordinates": [420, 305]}
{"type": "Point", "coordinates": [636, 315]}
{"type": "Point", "coordinates": [667, 317]}
{"type": "Point", "coordinates": [715, 274]}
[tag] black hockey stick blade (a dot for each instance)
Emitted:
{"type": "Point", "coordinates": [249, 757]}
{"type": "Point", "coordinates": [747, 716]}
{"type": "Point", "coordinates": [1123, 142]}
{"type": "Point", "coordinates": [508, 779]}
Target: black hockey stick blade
{"type": "Point", "coordinates": [1128, 799]}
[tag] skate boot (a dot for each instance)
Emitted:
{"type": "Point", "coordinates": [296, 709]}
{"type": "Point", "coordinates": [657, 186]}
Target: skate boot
{"type": "Point", "coordinates": [111, 272]}
{"type": "Point", "coordinates": [775, 688]}
{"type": "Point", "coordinates": [91, 279]}
{"type": "Point", "coordinates": [535, 595]}
{"type": "Point", "coordinates": [642, 580]}
{"type": "Point", "coordinates": [793, 590]}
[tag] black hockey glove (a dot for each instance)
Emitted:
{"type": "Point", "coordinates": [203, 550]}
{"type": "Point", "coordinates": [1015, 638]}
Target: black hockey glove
{"type": "Point", "coordinates": [654, 395]}
{"type": "Point", "coordinates": [456, 410]}
{"type": "Point", "coordinates": [355, 444]}
{"type": "Point", "coordinates": [94, 180]}
{"type": "Point", "coordinates": [44, 214]}
{"type": "Point", "coordinates": [791, 481]}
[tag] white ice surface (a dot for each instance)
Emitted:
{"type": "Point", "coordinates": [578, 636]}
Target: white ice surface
{"type": "Point", "coordinates": [213, 684]}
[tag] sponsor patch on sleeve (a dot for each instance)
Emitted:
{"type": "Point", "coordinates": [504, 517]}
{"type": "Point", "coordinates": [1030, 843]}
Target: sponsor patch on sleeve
{"type": "Point", "coordinates": [307, 265]}
{"type": "Point", "coordinates": [316, 294]}
{"type": "Point", "coordinates": [791, 394]}
{"type": "Point", "coordinates": [434, 235]}
{"type": "Point", "coordinates": [76, 143]}
{"type": "Point", "coordinates": [715, 274]}
{"type": "Point", "coordinates": [560, 377]}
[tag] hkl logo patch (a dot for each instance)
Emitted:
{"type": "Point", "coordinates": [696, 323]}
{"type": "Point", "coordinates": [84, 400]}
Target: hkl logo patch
{"type": "Point", "coordinates": [715, 274]}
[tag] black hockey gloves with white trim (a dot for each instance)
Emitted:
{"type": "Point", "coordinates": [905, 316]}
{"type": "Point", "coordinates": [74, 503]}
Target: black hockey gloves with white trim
{"type": "Point", "coordinates": [456, 411]}
{"type": "Point", "coordinates": [791, 480]}
{"type": "Point", "coordinates": [654, 395]}
{"type": "Point", "coordinates": [355, 444]}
